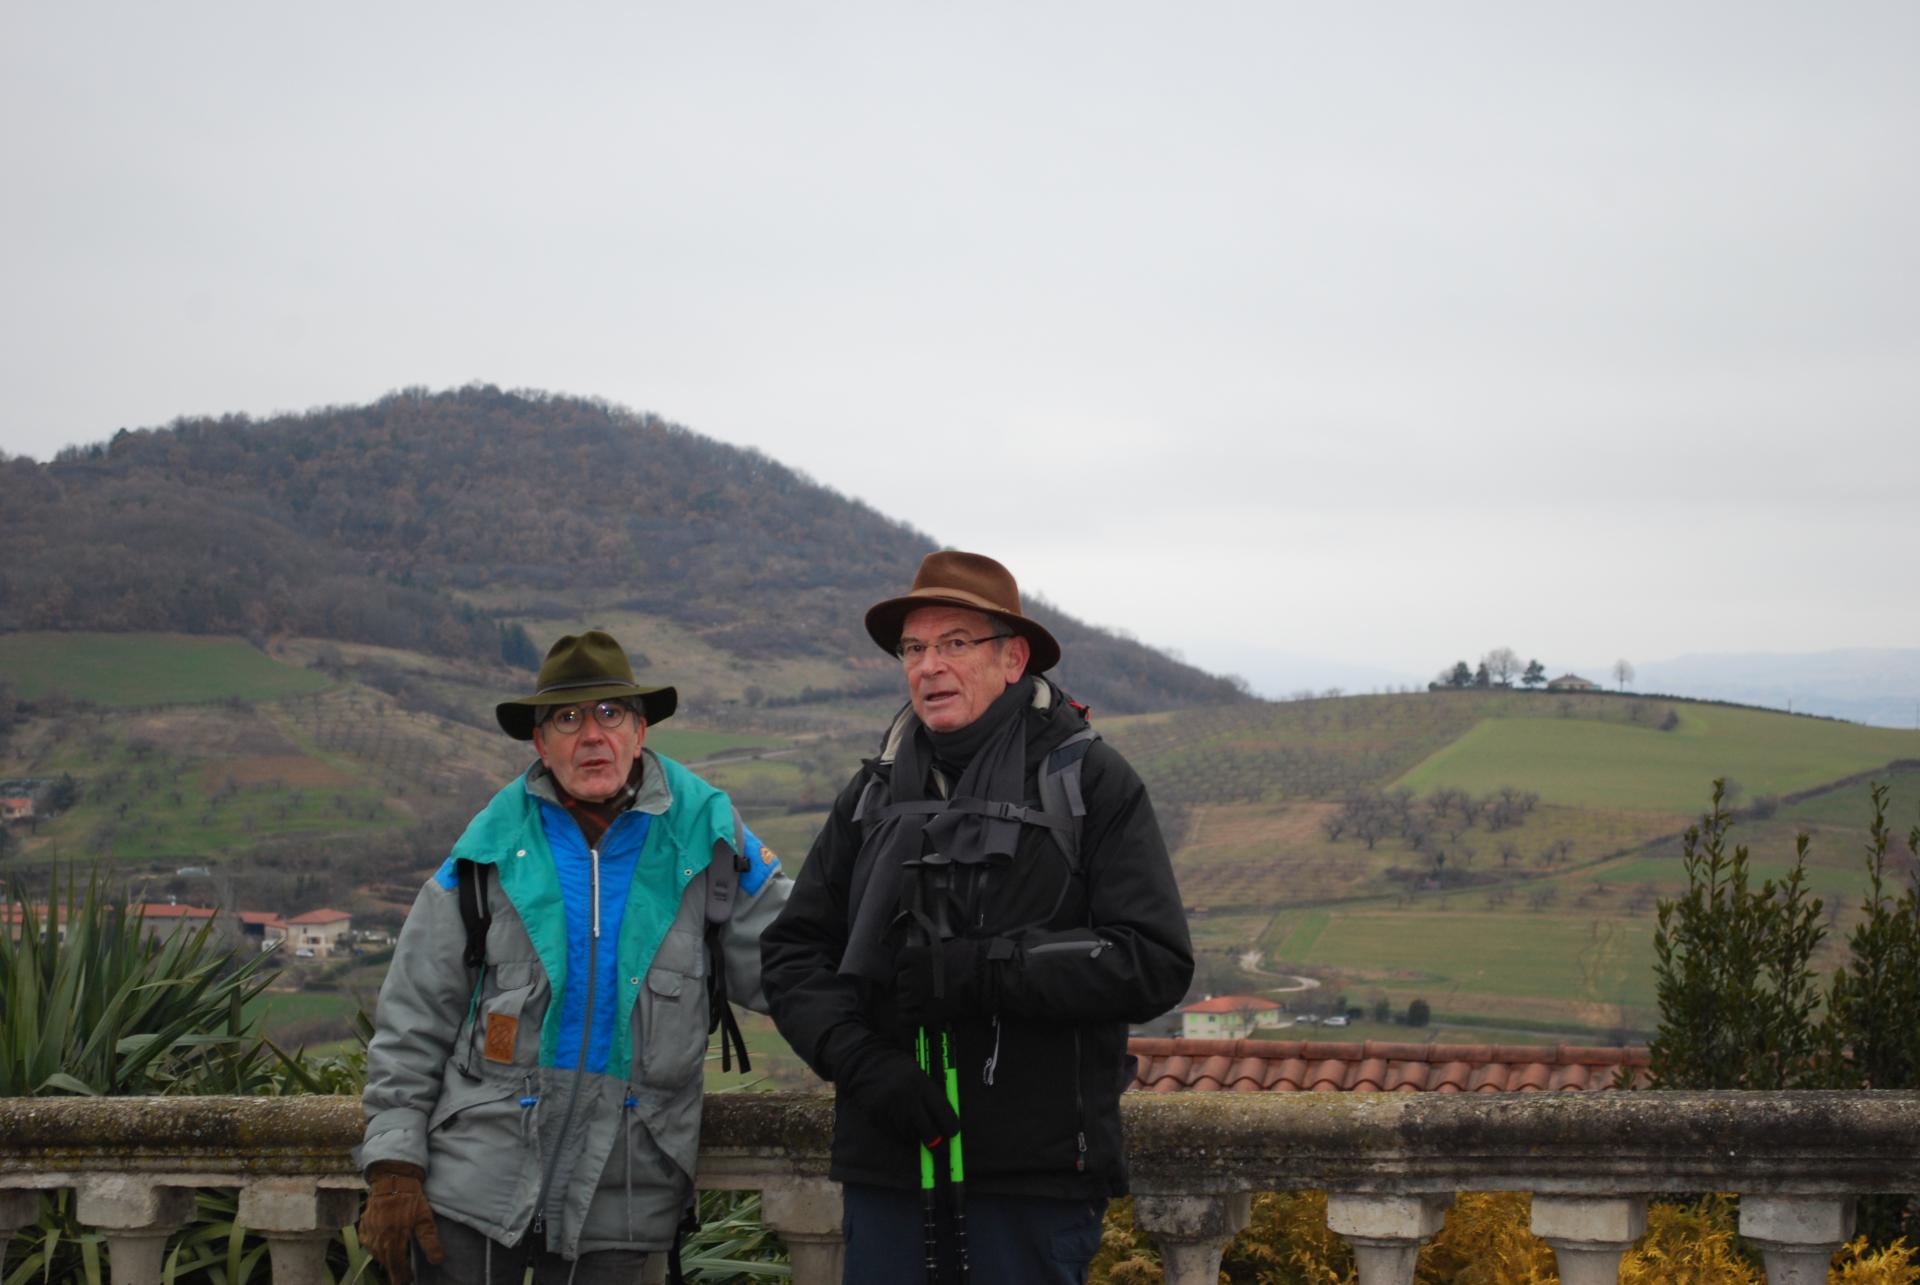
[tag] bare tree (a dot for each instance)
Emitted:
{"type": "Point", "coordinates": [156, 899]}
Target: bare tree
{"type": "Point", "coordinates": [1622, 673]}
{"type": "Point", "coordinates": [1503, 664]}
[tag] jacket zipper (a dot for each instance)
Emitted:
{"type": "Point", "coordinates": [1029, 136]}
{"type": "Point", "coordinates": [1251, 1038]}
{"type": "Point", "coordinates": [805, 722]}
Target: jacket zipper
{"type": "Point", "coordinates": [1090, 949]}
{"type": "Point", "coordinates": [1079, 1108]}
{"type": "Point", "coordinates": [586, 1044]}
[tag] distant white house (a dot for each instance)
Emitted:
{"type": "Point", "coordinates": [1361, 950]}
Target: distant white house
{"type": "Point", "coordinates": [1227, 1017]}
{"type": "Point", "coordinates": [319, 931]}
{"type": "Point", "coordinates": [1571, 683]}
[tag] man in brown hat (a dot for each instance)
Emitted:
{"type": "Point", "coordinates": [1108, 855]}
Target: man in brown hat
{"type": "Point", "coordinates": [534, 1082]}
{"type": "Point", "coordinates": [990, 891]}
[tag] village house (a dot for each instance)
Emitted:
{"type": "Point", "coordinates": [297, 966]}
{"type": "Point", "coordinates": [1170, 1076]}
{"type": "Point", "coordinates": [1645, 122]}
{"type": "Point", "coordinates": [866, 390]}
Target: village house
{"type": "Point", "coordinates": [323, 932]}
{"type": "Point", "coordinates": [1571, 683]}
{"type": "Point", "coordinates": [1227, 1017]}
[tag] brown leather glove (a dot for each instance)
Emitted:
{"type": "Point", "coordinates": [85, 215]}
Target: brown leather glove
{"type": "Point", "coordinates": [397, 1214]}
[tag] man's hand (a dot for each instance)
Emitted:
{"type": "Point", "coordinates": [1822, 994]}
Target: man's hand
{"type": "Point", "coordinates": [959, 965]}
{"type": "Point", "coordinates": [397, 1214]}
{"type": "Point", "coordinates": [890, 1087]}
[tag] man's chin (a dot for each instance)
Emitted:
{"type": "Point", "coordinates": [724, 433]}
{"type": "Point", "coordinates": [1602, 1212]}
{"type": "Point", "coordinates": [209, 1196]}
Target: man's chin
{"type": "Point", "coordinates": [943, 718]}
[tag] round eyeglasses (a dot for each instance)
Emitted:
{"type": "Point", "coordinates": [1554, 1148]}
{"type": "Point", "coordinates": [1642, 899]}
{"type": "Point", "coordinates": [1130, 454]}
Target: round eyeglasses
{"type": "Point", "coordinates": [570, 719]}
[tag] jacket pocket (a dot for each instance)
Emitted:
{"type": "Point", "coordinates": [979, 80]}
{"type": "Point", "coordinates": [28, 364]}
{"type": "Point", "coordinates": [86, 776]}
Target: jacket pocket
{"type": "Point", "coordinates": [673, 1028]}
{"type": "Point", "coordinates": [505, 1027]}
{"type": "Point", "coordinates": [480, 1139]}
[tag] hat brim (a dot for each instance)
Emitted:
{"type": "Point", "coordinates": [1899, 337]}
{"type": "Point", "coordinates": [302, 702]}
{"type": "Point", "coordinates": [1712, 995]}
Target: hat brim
{"type": "Point", "coordinates": [885, 620]}
{"type": "Point", "coordinates": [517, 718]}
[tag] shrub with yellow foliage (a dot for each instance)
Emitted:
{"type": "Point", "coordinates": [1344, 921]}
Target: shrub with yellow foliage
{"type": "Point", "coordinates": [1486, 1241]}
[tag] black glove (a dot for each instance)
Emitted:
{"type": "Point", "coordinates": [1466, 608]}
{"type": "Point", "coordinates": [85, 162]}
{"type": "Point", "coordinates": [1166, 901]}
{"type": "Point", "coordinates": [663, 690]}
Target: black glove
{"type": "Point", "coordinates": [890, 1087]}
{"type": "Point", "coordinates": [934, 983]}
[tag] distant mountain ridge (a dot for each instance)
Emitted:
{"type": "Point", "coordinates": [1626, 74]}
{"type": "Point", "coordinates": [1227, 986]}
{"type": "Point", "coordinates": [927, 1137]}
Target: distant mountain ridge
{"type": "Point", "coordinates": [1865, 684]}
{"type": "Point", "coordinates": [424, 520]}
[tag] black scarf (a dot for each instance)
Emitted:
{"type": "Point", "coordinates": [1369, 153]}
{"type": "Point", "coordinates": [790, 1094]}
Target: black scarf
{"type": "Point", "coordinates": [990, 755]}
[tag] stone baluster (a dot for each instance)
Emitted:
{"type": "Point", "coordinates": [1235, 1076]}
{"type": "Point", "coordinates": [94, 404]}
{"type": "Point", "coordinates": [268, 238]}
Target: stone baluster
{"type": "Point", "coordinates": [1797, 1234]}
{"type": "Point", "coordinates": [298, 1217]}
{"type": "Point", "coordinates": [1386, 1232]}
{"type": "Point", "coordinates": [1589, 1234]}
{"type": "Point", "coordinates": [136, 1216]}
{"type": "Point", "coordinates": [1192, 1231]}
{"type": "Point", "coordinates": [18, 1207]}
{"type": "Point", "coordinates": [806, 1214]}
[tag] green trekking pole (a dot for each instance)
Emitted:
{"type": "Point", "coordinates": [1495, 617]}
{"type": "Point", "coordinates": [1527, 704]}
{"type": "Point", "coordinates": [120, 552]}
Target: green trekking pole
{"type": "Point", "coordinates": [956, 1164]}
{"type": "Point", "coordinates": [929, 1225]}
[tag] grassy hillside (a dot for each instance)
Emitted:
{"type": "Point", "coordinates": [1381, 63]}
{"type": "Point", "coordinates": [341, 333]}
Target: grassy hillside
{"type": "Point", "coordinates": [120, 670]}
{"type": "Point", "coordinates": [1539, 922]}
{"type": "Point", "coordinates": [1612, 765]}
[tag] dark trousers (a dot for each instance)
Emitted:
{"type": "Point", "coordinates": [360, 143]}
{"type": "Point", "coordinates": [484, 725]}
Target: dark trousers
{"type": "Point", "coordinates": [472, 1259]}
{"type": "Point", "coordinates": [1028, 1240]}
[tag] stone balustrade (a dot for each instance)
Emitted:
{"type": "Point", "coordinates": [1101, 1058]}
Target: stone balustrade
{"type": "Point", "coordinates": [1390, 1163]}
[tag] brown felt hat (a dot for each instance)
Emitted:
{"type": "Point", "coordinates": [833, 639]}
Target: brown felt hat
{"type": "Point", "coordinates": [581, 668]}
{"type": "Point", "coordinates": [971, 580]}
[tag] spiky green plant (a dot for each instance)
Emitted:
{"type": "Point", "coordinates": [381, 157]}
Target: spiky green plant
{"type": "Point", "coordinates": [104, 1007]}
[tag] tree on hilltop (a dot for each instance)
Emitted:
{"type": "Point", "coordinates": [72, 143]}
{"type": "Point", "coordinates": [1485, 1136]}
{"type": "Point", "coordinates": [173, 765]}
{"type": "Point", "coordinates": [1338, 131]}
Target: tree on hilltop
{"type": "Point", "coordinates": [1503, 664]}
{"type": "Point", "coordinates": [1536, 674]}
{"type": "Point", "coordinates": [1481, 678]}
{"type": "Point", "coordinates": [1458, 676]}
{"type": "Point", "coordinates": [1622, 673]}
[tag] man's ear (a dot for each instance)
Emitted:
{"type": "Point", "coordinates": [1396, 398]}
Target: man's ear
{"type": "Point", "coordinates": [1017, 654]}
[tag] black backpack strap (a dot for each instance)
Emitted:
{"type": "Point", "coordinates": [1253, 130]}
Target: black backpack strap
{"type": "Point", "coordinates": [474, 911]}
{"type": "Point", "coordinates": [723, 887]}
{"type": "Point", "coordinates": [470, 881]}
{"type": "Point", "coordinates": [689, 1222]}
{"type": "Point", "coordinates": [1060, 797]}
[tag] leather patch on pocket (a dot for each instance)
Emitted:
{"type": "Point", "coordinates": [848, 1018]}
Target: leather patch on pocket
{"type": "Point", "coordinates": [501, 1028]}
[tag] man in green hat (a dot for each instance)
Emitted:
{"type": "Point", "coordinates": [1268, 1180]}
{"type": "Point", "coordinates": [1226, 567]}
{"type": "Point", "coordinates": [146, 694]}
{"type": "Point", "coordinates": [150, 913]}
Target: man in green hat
{"type": "Point", "coordinates": [535, 1078]}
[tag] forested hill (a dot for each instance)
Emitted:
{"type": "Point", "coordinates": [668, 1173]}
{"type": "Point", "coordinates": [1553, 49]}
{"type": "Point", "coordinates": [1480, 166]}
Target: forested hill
{"type": "Point", "coordinates": [423, 521]}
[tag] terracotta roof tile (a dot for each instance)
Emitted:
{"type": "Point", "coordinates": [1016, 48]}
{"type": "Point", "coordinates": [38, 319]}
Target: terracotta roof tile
{"type": "Point", "coordinates": [320, 917]}
{"type": "Point", "coordinates": [1291, 1066]}
{"type": "Point", "coordinates": [1369, 1075]}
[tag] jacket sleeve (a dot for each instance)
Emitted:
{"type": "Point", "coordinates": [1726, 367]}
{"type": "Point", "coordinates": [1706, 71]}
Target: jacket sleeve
{"type": "Point", "coordinates": [817, 1010]}
{"type": "Point", "coordinates": [1134, 959]}
{"type": "Point", "coordinates": [422, 1005]}
{"type": "Point", "coordinates": [764, 890]}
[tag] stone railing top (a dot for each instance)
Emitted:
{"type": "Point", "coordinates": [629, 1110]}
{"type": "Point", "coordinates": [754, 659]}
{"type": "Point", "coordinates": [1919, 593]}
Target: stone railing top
{"type": "Point", "coordinates": [1574, 1143]}
{"type": "Point", "coordinates": [304, 1134]}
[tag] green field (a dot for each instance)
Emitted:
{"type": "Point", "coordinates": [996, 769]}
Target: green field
{"type": "Point", "coordinates": [1455, 957]}
{"type": "Point", "coordinates": [1625, 767]}
{"type": "Point", "coordinates": [690, 745]}
{"type": "Point", "coordinates": [147, 669]}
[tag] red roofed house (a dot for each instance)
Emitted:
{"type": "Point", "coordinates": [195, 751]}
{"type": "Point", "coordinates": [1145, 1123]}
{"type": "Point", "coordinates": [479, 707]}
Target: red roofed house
{"type": "Point", "coordinates": [1315, 1066]}
{"type": "Point", "coordinates": [16, 807]}
{"type": "Point", "coordinates": [164, 917]}
{"type": "Point", "coordinates": [1227, 1017]}
{"type": "Point", "coordinates": [320, 931]}
{"type": "Point", "coordinates": [262, 927]}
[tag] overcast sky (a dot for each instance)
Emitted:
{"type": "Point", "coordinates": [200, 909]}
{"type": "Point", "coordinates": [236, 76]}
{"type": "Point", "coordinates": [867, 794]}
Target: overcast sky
{"type": "Point", "coordinates": [1383, 334]}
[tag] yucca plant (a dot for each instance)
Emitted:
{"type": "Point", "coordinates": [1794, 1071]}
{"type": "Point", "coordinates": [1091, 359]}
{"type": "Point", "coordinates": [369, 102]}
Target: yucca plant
{"type": "Point", "coordinates": [106, 1008]}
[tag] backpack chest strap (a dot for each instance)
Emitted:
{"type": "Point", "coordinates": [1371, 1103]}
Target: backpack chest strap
{"type": "Point", "coordinates": [980, 807]}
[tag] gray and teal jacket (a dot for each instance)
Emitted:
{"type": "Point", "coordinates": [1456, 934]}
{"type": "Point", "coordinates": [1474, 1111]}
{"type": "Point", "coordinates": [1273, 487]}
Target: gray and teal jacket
{"type": "Point", "coordinates": [478, 1075]}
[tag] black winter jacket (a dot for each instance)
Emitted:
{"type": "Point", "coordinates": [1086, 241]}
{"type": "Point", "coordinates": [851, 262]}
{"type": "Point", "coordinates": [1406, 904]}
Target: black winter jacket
{"type": "Point", "coordinates": [1040, 1086]}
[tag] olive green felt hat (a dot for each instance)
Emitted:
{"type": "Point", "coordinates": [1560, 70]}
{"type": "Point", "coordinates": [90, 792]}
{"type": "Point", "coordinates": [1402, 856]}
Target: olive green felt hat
{"type": "Point", "coordinates": [581, 668]}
